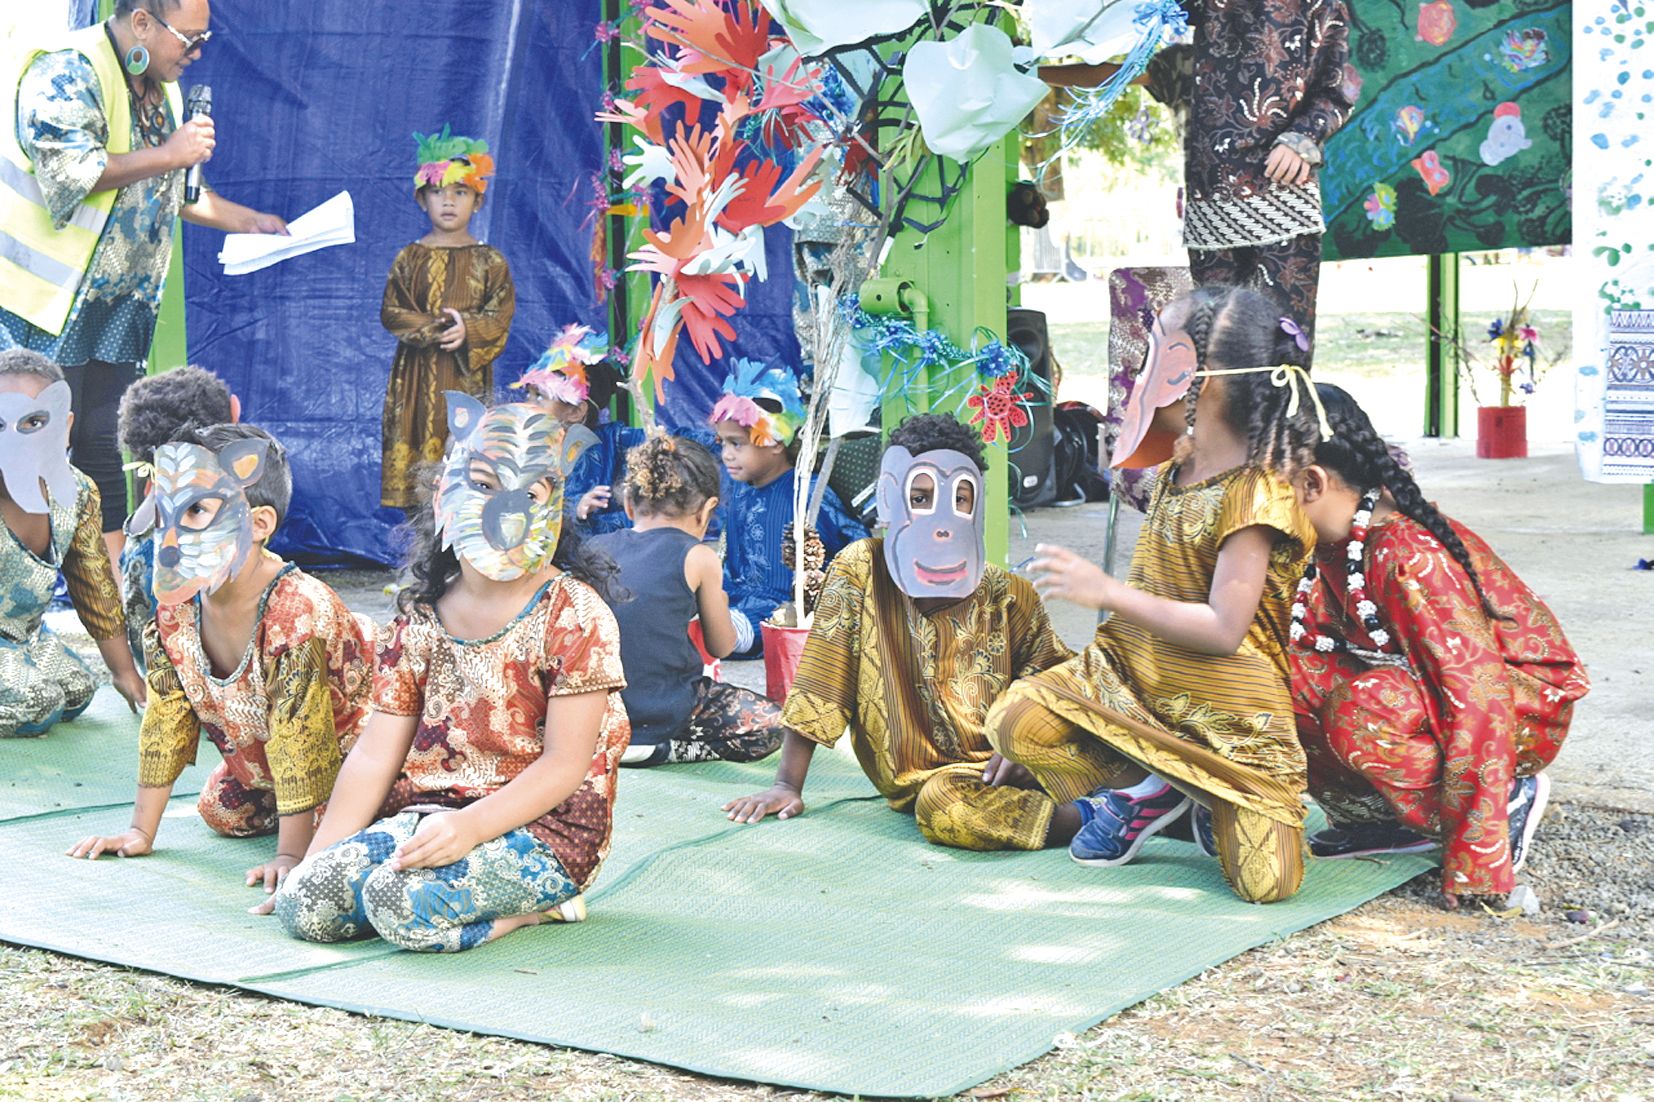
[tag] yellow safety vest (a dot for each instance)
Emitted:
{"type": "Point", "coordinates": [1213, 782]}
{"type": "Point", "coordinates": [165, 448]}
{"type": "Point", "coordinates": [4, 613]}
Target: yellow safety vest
{"type": "Point", "coordinates": [41, 263]}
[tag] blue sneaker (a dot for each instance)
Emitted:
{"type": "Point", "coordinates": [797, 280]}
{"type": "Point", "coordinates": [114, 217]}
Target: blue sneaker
{"type": "Point", "coordinates": [1204, 836]}
{"type": "Point", "coordinates": [1528, 797]}
{"type": "Point", "coordinates": [1117, 825]}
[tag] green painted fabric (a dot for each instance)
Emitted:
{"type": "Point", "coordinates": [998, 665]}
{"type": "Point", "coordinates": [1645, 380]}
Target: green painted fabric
{"type": "Point", "coordinates": [1462, 130]}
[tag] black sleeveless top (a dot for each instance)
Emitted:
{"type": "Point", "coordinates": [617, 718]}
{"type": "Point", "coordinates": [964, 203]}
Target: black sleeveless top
{"type": "Point", "coordinates": [662, 665]}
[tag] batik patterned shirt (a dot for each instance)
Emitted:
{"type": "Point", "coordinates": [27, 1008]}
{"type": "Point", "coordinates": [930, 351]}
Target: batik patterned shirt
{"type": "Point", "coordinates": [913, 689]}
{"type": "Point", "coordinates": [285, 717]}
{"type": "Point", "coordinates": [481, 708]}
{"type": "Point", "coordinates": [62, 127]}
{"type": "Point", "coordinates": [1264, 72]}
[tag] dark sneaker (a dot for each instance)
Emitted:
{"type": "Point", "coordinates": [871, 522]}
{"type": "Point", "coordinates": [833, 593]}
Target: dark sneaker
{"type": "Point", "coordinates": [1117, 825]}
{"type": "Point", "coordinates": [1367, 840]}
{"type": "Point", "coordinates": [1204, 836]}
{"type": "Point", "coordinates": [1528, 797]}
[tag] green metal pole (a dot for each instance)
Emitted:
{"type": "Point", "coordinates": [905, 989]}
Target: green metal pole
{"type": "Point", "coordinates": [1441, 387]}
{"type": "Point", "coordinates": [961, 269]}
{"type": "Point", "coordinates": [1648, 509]}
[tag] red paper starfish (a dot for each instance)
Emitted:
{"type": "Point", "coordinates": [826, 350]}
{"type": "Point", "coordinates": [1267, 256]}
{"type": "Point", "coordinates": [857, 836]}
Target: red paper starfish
{"type": "Point", "coordinates": [999, 409]}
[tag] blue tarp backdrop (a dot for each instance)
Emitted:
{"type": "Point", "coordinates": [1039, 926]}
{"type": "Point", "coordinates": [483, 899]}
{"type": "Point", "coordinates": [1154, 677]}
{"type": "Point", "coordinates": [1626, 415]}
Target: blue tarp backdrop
{"type": "Point", "coordinates": [316, 96]}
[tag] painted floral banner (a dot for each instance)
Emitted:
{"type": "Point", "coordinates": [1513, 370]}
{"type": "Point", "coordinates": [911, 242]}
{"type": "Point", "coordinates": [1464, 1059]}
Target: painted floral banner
{"type": "Point", "coordinates": [1462, 133]}
{"type": "Point", "coordinates": [1614, 310]}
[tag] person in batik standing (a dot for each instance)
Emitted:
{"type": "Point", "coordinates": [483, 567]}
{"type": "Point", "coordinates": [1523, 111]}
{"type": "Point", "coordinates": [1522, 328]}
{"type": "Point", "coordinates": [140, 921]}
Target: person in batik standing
{"type": "Point", "coordinates": [1432, 686]}
{"type": "Point", "coordinates": [449, 301]}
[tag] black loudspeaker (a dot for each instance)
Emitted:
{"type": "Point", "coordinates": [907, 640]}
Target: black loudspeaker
{"type": "Point", "coordinates": [856, 473]}
{"type": "Point", "coordinates": [1033, 451]}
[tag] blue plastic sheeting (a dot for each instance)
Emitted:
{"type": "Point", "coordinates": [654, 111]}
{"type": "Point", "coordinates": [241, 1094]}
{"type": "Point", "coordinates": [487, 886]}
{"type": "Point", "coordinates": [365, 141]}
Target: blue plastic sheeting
{"type": "Point", "coordinates": [314, 97]}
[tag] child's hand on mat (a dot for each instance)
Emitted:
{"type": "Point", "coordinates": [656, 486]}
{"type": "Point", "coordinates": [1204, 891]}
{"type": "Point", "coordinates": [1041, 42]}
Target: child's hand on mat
{"type": "Point", "coordinates": [133, 843]}
{"type": "Point", "coordinates": [271, 874]}
{"type": "Point", "coordinates": [1286, 167]}
{"type": "Point", "coordinates": [1001, 772]}
{"type": "Point", "coordinates": [595, 498]}
{"type": "Point", "coordinates": [783, 801]}
{"type": "Point", "coordinates": [131, 686]}
{"type": "Point", "coordinates": [441, 839]}
{"type": "Point", "coordinates": [1059, 572]}
{"type": "Point", "coordinates": [452, 337]}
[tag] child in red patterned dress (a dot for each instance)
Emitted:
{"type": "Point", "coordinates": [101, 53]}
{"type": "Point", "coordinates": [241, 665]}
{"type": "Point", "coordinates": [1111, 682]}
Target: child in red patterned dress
{"type": "Point", "coordinates": [1432, 686]}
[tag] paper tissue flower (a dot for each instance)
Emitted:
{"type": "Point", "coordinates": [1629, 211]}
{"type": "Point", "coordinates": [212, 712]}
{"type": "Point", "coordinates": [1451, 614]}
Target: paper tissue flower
{"type": "Point", "coordinates": [817, 26]}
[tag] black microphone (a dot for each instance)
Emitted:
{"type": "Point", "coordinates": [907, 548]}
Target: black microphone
{"type": "Point", "coordinates": [198, 105]}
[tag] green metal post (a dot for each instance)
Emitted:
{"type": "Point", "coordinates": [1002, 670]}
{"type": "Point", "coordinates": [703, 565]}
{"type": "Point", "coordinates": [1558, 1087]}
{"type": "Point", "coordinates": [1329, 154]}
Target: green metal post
{"type": "Point", "coordinates": [961, 270]}
{"type": "Point", "coordinates": [1441, 387]}
{"type": "Point", "coordinates": [1648, 509]}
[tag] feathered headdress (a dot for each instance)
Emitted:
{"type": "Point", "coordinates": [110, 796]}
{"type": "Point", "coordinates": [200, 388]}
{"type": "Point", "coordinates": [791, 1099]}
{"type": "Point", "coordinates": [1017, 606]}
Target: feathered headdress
{"type": "Point", "coordinates": [449, 158]}
{"type": "Point", "coordinates": [752, 382]}
{"type": "Point", "coordinates": [560, 373]}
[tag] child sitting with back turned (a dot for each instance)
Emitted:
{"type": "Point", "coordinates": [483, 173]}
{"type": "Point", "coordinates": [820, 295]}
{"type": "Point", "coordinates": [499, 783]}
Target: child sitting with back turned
{"type": "Point", "coordinates": [1432, 685]}
{"type": "Point", "coordinates": [52, 522]}
{"type": "Point", "coordinates": [575, 383]}
{"type": "Point", "coordinates": [757, 421]}
{"type": "Point", "coordinates": [670, 577]}
{"type": "Point", "coordinates": [481, 796]}
{"type": "Point", "coordinates": [260, 657]}
{"type": "Point", "coordinates": [154, 410]}
{"type": "Point", "coordinates": [449, 300]}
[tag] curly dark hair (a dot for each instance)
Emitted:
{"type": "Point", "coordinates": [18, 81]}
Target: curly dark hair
{"type": "Point", "coordinates": [929, 432]}
{"type": "Point", "coordinates": [670, 476]}
{"type": "Point", "coordinates": [23, 361]}
{"type": "Point", "coordinates": [157, 408]}
{"type": "Point", "coordinates": [1239, 327]}
{"type": "Point", "coordinates": [1358, 455]}
{"type": "Point", "coordinates": [431, 568]}
{"type": "Point", "coordinates": [275, 483]}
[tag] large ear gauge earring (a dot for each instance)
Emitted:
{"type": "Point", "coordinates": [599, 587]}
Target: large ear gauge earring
{"type": "Point", "coordinates": [137, 60]}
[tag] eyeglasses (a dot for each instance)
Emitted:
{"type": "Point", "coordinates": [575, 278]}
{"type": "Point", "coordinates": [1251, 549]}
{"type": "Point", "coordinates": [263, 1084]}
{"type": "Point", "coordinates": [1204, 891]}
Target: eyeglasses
{"type": "Point", "coordinates": [191, 43]}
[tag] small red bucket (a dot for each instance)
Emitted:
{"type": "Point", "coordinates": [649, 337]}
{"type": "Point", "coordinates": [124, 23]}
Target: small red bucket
{"type": "Point", "coordinates": [710, 666]}
{"type": "Point", "coordinates": [783, 647]}
{"type": "Point", "coordinates": [1502, 432]}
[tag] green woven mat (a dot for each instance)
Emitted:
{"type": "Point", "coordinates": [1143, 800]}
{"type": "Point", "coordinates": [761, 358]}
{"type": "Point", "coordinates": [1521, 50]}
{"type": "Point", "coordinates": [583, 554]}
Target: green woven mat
{"type": "Point", "coordinates": [91, 761]}
{"type": "Point", "coordinates": [837, 952]}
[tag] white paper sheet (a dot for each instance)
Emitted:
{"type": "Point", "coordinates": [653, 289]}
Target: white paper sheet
{"type": "Point", "coordinates": [331, 223]}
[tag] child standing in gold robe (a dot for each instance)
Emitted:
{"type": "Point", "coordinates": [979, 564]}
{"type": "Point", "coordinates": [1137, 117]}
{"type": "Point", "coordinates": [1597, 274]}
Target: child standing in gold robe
{"type": "Point", "coordinates": [449, 301]}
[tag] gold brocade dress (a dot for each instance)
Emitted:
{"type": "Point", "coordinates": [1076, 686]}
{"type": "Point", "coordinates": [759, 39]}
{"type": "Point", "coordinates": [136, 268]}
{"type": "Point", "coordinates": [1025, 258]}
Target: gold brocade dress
{"type": "Point", "coordinates": [424, 281]}
{"type": "Point", "coordinates": [1218, 725]}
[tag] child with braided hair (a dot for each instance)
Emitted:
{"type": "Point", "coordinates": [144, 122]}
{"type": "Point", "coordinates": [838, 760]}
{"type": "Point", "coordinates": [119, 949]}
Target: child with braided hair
{"type": "Point", "coordinates": [1183, 694]}
{"type": "Point", "coordinates": [1432, 686]}
{"type": "Point", "coordinates": [667, 577]}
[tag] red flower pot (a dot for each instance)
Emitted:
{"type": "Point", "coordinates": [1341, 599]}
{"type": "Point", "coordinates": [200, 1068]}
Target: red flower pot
{"type": "Point", "coordinates": [1502, 432]}
{"type": "Point", "coordinates": [783, 647]}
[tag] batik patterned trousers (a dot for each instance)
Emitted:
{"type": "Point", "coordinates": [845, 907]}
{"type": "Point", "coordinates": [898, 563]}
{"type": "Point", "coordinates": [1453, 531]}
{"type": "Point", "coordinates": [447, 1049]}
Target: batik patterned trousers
{"type": "Point", "coordinates": [42, 683]}
{"type": "Point", "coordinates": [728, 723]}
{"type": "Point", "coordinates": [1290, 270]}
{"type": "Point", "coordinates": [346, 891]}
{"type": "Point", "coordinates": [1076, 735]}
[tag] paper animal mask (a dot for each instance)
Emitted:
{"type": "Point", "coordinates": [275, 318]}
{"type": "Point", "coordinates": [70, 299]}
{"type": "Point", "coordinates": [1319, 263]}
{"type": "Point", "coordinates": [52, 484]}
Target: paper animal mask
{"type": "Point", "coordinates": [1165, 379]}
{"type": "Point", "coordinates": [752, 383]}
{"type": "Point", "coordinates": [935, 549]}
{"type": "Point", "coordinates": [34, 447]}
{"type": "Point", "coordinates": [197, 507]}
{"type": "Point", "coordinates": [484, 508]}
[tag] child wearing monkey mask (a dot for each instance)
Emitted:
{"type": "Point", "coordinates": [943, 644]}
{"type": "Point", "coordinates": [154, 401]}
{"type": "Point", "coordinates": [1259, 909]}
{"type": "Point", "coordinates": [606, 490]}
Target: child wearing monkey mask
{"type": "Point", "coordinates": [260, 657]}
{"type": "Point", "coordinates": [941, 632]}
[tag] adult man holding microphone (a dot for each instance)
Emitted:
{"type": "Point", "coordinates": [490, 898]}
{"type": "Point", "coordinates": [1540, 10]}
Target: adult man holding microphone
{"type": "Point", "coordinates": [93, 159]}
